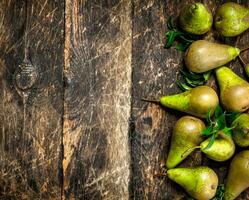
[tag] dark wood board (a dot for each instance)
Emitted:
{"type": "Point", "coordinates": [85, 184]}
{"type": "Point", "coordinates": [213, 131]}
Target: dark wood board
{"type": "Point", "coordinates": [97, 99]}
{"type": "Point", "coordinates": [31, 103]}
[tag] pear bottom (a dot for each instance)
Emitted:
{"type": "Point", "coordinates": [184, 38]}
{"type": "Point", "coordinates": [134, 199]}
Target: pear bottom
{"type": "Point", "coordinates": [199, 182]}
{"type": "Point", "coordinates": [238, 176]}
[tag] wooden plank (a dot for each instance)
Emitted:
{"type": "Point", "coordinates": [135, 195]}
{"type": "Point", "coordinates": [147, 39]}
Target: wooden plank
{"type": "Point", "coordinates": [31, 103]}
{"type": "Point", "coordinates": [155, 71]}
{"type": "Point", "coordinates": [97, 99]}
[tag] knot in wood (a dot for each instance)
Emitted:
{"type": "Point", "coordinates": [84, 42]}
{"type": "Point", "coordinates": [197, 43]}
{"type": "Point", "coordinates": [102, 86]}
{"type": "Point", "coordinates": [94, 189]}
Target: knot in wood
{"type": "Point", "coordinates": [26, 75]}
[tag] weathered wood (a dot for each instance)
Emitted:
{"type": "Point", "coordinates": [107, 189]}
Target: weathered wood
{"type": "Point", "coordinates": [97, 99]}
{"type": "Point", "coordinates": [31, 103]}
{"type": "Point", "coordinates": [155, 71]}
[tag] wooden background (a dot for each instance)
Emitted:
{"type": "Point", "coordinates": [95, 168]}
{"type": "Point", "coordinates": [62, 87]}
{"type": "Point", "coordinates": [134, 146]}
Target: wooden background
{"type": "Point", "coordinates": [71, 122]}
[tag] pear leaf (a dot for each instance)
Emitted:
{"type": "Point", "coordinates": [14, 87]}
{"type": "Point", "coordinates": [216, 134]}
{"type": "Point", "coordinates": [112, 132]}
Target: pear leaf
{"type": "Point", "coordinates": [218, 111]}
{"type": "Point", "coordinates": [208, 131]}
{"type": "Point", "coordinates": [170, 23]}
{"type": "Point", "coordinates": [175, 34]}
{"type": "Point", "coordinates": [183, 86]}
{"type": "Point", "coordinates": [207, 75]}
{"type": "Point", "coordinates": [219, 193]}
{"type": "Point", "coordinates": [195, 79]}
{"type": "Point", "coordinates": [211, 142]}
{"type": "Point", "coordinates": [171, 35]}
{"type": "Point", "coordinates": [208, 117]}
{"type": "Point", "coordinates": [182, 47]}
{"type": "Point", "coordinates": [221, 122]}
{"type": "Point", "coordinates": [228, 130]}
{"type": "Point", "coordinates": [190, 75]}
{"type": "Point", "coordinates": [230, 117]}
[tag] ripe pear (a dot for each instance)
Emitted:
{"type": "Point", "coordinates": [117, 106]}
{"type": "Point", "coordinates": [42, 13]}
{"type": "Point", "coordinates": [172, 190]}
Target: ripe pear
{"type": "Point", "coordinates": [232, 19]}
{"type": "Point", "coordinates": [241, 130]}
{"type": "Point", "coordinates": [247, 70]}
{"type": "Point", "coordinates": [238, 176]}
{"type": "Point", "coordinates": [197, 101]}
{"type": "Point", "coordinates": [203, 55]}
{"type": "Point", "coordinates": [222, 149]}
{"type": "Point", "coordinates": [186, 134]}
{"type": "Point", "coordinates": [199, 182]}
{"type": "Point", "coordinates": [234, 91]}
{"type": "Point", "coordinates": [196, 19]}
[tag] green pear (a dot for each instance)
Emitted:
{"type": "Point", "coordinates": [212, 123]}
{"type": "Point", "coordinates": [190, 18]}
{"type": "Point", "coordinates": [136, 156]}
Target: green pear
{"type": "Point", "coordinates": [232, 19]}
{"type": "Point", "coordinates": [186, 134]}
{"type": "Point", "coordinates": [238, 176]}
{"type": "Point", "coordinates": [199, 182]}
{"type": "Point", "coordinates": [222, 149]}
{"type": "Point", "coordinates": [241, 130]}
{"type": "Point", "coordinates": [203, 55]}
{"type": "Point", "coordinates": [247, 70]}
{"type": "Point", "coordinates": [196, 19]}
{"type": "Point", "coordinates": [198, 101]}
{"type": "Point", "coordinates": [234, 91]}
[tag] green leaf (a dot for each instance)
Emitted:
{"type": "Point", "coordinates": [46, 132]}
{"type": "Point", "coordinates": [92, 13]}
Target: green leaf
{"type": "Point", "coordinates": [170, 24]}
{"type": "Point", "coordinates": [182, 46]}
{"type": "Point", "coordinates": [228, 130]}
{"type": "Point", "coordinates": [230, 117]}
{"type": "Point", "coordinates": [186, 40]}
{"type": "Point", "coordinates": [193, 83]}
{"type": "Point", "coordinates": [219, 193]}
{"type": "Point", "coordinates": [207, 75]}
{"type": "Point", "coordinates": [211, 142]}
{"type": "Point", "coordinates": [183, 86]}
{"type": "Point", "coordinates": [208, 117]}
{"type": "Point", "coordinates": [221, 122]}
{"type": "Point", "coordinates": [218, 111]}
{"type": "Point", "coordinates": [170, 39]}
{"type": "Point", "coordinates": [208, 131]}
{"type": "Point", "coordinates": [190, 75]}
{"type": "Point", "coordinates": [175, 34]}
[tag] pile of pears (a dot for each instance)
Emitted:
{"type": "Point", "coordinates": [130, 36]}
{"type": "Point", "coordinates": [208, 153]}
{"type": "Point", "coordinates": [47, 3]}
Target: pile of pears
{"type": "Point", "coordinates": [201, 182]}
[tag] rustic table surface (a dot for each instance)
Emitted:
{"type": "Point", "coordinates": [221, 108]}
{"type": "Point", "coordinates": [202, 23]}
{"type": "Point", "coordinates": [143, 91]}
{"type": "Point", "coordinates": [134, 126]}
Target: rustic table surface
{"type": "Point", "coordinates": [71, 122]}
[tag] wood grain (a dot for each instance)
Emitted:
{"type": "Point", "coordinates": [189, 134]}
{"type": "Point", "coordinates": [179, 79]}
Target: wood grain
{"type": "Point", "coordinates": [155, 71]}
{"type": "Point", "coordinates": [97, 99]}
{"type": "Point", "coordinates": [31, 104]}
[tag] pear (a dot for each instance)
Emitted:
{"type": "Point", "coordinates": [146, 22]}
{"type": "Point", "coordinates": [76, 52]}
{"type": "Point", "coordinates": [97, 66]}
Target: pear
{"type": "Point", "coordinates": [234, 91]}
{"type": "Point", "coordinates": [186, 134]}
{"type": "Point", "coordinates": [195, 19]}
{"type": "Point", "coordinates": [241, 130]}
{"type": "Point", "coordinates": [222, 149]}
{"type": "Point", "coordinates": [203, 55]}
{"type": "Point", "coordinates": [197, 101]}
{"type": "Point", "coordinates": [199, 182]}
{"type": "Point", "coordinates": [238, 176]}
{"type": "Point", "coordinates": [247, 70]}
{"type": "Point", "coordinates": [232, 19]}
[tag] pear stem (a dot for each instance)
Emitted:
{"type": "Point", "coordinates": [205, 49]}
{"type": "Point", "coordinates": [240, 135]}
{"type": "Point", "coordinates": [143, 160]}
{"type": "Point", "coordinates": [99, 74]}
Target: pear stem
{"type": "Point", "coordinates": [190, 150]}
{"type": "Point", "coordinates": [150, 100]}
{"type": "Point", "coordinates": [245, 49]}
{"type": "Point", "coordinates": [160, 175]}
{"type": "Point", "coordinates": [242, 61]}
{"type": "Point", "coordinates": [164, 173]}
